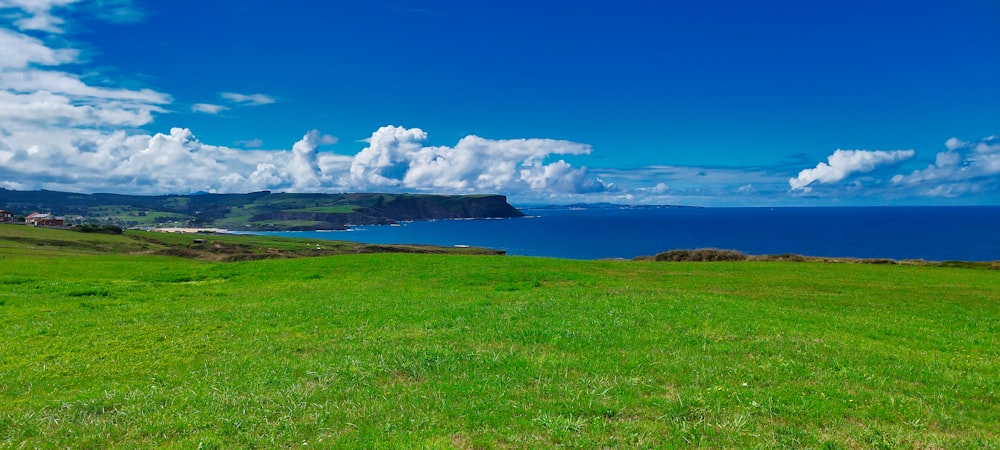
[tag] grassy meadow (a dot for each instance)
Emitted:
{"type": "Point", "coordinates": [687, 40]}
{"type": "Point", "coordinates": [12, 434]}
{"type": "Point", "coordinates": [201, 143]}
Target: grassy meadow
{"type": "Point", "coordinates": [120, 347]}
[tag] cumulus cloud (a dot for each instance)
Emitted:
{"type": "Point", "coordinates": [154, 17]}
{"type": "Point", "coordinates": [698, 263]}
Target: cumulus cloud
{"type": "Point", "coordinates": [396, 157]}
{"type": "Point", "coordinates": [843, 163]}
{"type": "Point", "coordinates": [177, 162]}
{"type": "Point", "coordinates": [248, 99]}
{"type": "Point", "coordinates": [963, 168]}
{"type": "Point", "coordinates": [60, 131]}
{"type": "Point", "coordinates": [174, 162]}
{"type": "Point", "coordinates": [303, 167]}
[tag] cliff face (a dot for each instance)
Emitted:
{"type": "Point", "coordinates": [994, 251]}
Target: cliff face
{"type": "Point", "coordinates": [259, 210]}
{"type": "Point", "coordinates": [434, 207]}
{"type": "Point", "coordinates": [384, 209]}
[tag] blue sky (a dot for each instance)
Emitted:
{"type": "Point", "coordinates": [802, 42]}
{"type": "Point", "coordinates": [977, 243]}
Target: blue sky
{"type": "Point", "coordinates": [709, 103]}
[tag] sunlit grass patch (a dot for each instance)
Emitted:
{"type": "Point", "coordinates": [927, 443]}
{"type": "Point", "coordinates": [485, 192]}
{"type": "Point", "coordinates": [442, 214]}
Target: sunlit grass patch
{"type": "Point", "coordinates": [411, 350]}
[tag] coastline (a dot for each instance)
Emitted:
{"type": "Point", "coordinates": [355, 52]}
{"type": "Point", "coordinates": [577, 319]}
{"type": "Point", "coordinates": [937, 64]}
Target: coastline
{"type": "Point", "coordinates": [898, 233]}
{"type": "Point", "coordinates": [191, 230]}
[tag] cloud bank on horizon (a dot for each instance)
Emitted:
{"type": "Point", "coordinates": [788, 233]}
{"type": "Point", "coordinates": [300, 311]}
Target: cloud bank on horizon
{"type": "Point", "coordinates": [61, 130]}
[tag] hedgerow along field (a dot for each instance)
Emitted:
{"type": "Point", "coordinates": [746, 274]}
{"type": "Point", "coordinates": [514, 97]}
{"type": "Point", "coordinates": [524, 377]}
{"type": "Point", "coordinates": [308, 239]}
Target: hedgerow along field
{"type": "Point", "coordinates": [102, 350]}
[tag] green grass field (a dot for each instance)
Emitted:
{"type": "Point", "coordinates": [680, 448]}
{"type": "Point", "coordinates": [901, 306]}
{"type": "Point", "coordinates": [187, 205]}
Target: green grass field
{"type": "Point", "coordinates": [102, 350]}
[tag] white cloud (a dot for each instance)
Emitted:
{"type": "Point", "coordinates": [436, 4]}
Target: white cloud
{"type": "Point", "coordinates": [207, 108]}
{"type": "Point", "coordinates": [683, 180]}
{"type": "Point", "coordinates": [36, 15]}
{"type": "Point", "coordinates": [101, 161]}
{"type": "Point", "coordinates": [251, 99]}
{"type": "Point", "coordinates": [660, 188]}
{"type": "Point", "coordinates": [71, 85]}
{"type": "Point", "coordinates": [252, 143]}
{"type": "Point", "coordinates": [43, 108]}
{"type": "Point", "coordinates": [20, 50]}
{"type": "Point", "coordinates": [843, 163]}
{"type": "Point", "coordinates": [383, 162]}
{"type": "Point", "coordinates": [235, 101]}
{"type": "Point", "coordinates": [116, 11]}
{"type": "Point", "coordinates": [397, 158]}
{"type": "Point", "coordinates": [953, 143]}
{"type": "Point", "coordinates": [964, 168]}
{"type": "Point", "coordinates": [59, 131]}
{"type": "Point", "coordinates": [39, 100]}
{"type": "Point", "coordinates": [303, 168]}
{"type": "Point", "coordinates": [177, 162]}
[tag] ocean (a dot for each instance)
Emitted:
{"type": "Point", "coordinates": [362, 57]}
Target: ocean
{"type": "Point", "coordinates": [929, 233]}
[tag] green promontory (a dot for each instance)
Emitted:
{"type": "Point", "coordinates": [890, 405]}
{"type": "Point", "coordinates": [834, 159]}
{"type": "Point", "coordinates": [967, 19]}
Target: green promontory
{"type": "Point", "coordinates": [257, 211]}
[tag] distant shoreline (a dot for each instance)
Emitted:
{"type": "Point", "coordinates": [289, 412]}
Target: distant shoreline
{"type": "Point", "coordinates": [900, 233]}
{"type": "Point", "coordinates": [190, 230]}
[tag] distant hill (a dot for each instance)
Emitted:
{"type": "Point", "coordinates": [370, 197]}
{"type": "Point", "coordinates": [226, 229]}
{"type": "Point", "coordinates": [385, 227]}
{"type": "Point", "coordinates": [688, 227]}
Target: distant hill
{"type": "Point", "coordinates": [257, 211]}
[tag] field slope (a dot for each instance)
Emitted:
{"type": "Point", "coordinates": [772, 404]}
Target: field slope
{"type": "Point", "coordinates": [22, 240]}
{"type": "Point", "coordinates": [459, 351]}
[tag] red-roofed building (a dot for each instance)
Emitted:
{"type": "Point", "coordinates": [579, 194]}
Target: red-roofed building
{"type": "Point", "coordinates": [6, 216]}
{"type": "Point", "coordinates": [44, 220]}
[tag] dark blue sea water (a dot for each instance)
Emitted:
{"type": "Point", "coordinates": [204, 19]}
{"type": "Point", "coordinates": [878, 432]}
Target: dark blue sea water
{"type": "Point", "coordinates": [931, 233]}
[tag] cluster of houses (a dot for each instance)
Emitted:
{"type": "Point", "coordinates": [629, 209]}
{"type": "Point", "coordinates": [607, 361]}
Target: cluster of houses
{"type": "Point", "coordinates": [34, 219]}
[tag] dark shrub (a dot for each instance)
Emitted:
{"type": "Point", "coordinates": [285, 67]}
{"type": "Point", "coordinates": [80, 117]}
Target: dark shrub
{"type": "Point", "coordinates": [878, 261]}
{"type": "Point", "coordinates": [703, 255]}
{"type": "Point", "coordinates": [94, 228]}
